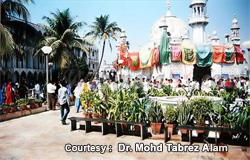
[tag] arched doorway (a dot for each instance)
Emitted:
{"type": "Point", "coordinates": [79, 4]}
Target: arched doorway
{"type": "Point", "coordinates": [15, 77]}
{"type": "Point", "coordinates": [35, 77]}
{"type": "Point", "coordinates": [30, 79]}
{"type": "Point", "coordinates": [200, 72]}
{"type": "Point", "coordinates": [8, 76]}
{"type": "Point", "coordinates": [23, 76]}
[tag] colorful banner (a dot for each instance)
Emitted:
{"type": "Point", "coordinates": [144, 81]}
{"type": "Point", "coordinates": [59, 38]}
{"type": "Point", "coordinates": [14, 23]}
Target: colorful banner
{"type": "Point", "coordinates": [134, 61]}
{"type": "Point", "coordinates": [239, 55]}
{"type": "Point", "coordinates": [176, 53]}
{"type": "Point", "coordinates": [164, 48]}
{"type": "Point", "coordinates": [229, 54]}
{"type": "Point", "coordinates": [188, 54]}
{"type": "Point", "coordinates": [145, 59]}
{"type": "Point", "coordinates": [123, 51]}
{"type": "Point", "coordinates": [204, 55]}
{"type": "Point", "coordinates": [218, 54]}
{"type": "Point", "coordinates": [155, 56]}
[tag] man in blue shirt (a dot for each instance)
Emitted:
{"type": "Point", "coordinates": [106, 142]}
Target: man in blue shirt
{"type": "Point", "coordinates": [63, 101]}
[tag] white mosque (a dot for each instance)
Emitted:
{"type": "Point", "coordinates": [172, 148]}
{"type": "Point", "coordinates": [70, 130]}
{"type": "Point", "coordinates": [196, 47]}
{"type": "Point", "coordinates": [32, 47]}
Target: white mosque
{"type": "Point", "coordinates": [178, 34]}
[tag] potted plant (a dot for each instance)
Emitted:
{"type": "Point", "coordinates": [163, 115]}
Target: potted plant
{"type": "Point", "coordinates": [184, 113]}
{"type": "Point", "coordinates": [201, 109]}
{"type": "Point", "coordinates": [6, 109]}
{"type": "Point", "coordinates": [87, 98]}
{"type": "Point", "coordinates": [170, 116]}
{"type": "Point", "coordinates": [38, 102]}
{"type": "Point", "coordinates": [97, 106]}
{"type": "Point", "coordinates": [22, 103]}
{"type": "Point", "coordinates": [137, 112]}
{"type": "Point", "coordinates": [155, 114]}
{"type": "Point", "coordinates": [12, 107]}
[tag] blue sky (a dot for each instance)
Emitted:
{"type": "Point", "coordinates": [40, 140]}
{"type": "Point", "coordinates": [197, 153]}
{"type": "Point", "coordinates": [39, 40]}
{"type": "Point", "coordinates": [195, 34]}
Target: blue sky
{"type": "Point", "coordinates": [138, 16]}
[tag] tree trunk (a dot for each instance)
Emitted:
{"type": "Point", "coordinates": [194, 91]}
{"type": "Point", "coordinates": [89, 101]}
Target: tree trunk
{"type": "Point", "coordinates": [99, 66]}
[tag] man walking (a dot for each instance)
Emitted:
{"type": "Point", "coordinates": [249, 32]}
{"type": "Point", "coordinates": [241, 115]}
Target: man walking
{"type": "Point", "coordinates": [63, 101]}
{"type": "Point", "coordinates": [51, 88]}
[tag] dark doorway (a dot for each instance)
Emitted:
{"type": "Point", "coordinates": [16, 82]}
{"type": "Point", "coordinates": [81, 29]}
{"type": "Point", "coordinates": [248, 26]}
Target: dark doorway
{"type": "Point", "coordinates": [200, 72]}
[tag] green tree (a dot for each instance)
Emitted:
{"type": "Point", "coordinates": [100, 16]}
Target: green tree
{"type": "Point", "coordinates": [103, 30]}
{"type": "Point", "coordinates": [15, 32]}
{"type": "Point", "coordinates": [61, 35]}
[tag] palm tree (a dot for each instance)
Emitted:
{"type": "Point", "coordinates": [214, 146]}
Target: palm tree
{"type": "Point", "coordinates": [13, 29]}
{"type": "Point", "coordinates": [103, 30]}
{"type": "Point", "coordinates": [61, 36]}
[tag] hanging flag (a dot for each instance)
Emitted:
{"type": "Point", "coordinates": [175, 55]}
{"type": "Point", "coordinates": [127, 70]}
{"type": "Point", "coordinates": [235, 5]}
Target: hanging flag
{"type": "Point", "coordinates": [164, 48]}
{"type": "Point", "coordinates": [239, 55]}
{"type": "Point", "coordinates": [176, 53]}
{"type": "Point", "coordinates": [155, 52]}
{"type": "Point", "coordinates": [218, 54]}
{"type": "Point", "coordinates": [123, 51]}
{"type": "Point", "coordinates": [204, 55]}
{"type": "Point", "coordinates": [145, 59]}
{"type": "Point", "coordinates": [134, 61]}
{"type": "Point", "coordinates": [188, 54]}
{"type": "Point", "coordinates": [229, 54]}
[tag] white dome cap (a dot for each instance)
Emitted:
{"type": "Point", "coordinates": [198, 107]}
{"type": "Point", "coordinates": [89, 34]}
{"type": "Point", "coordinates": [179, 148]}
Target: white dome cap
{"type": "Point", "coordinates": [176, 27]}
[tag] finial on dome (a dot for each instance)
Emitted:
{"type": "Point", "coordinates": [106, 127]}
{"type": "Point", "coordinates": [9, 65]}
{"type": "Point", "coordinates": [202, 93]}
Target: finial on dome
{"type": "Point", "coordinates": [168, 8]}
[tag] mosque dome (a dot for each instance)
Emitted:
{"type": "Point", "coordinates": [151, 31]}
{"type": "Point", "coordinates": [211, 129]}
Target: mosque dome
{"type": "Point", "coordinates": [176, 27]}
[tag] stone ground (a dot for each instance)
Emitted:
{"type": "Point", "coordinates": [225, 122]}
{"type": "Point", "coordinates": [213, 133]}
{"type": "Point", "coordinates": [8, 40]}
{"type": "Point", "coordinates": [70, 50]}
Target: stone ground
{"type": "Point", "coordinates": [42, 137]}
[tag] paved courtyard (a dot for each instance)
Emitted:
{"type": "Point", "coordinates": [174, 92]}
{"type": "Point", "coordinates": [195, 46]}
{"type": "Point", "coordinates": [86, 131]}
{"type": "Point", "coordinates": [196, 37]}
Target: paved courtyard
{"type": "Point", "coordinates": [42, 137]}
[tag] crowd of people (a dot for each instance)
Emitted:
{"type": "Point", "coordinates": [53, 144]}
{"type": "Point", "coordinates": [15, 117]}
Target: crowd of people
{"type": "Point", "coordinates": [176, 84]}
{"type": "Point", "coordinates": [10, 92]}
{"type": "Point", "coordinates": [61, 91]}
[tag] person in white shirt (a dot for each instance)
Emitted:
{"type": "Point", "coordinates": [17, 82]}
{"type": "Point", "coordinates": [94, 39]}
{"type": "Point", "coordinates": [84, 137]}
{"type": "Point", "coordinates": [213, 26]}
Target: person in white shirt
{"type": "Point", "coordinates": [51, 89]}
{"type": "Point", "coordinates": [37, 90]}
{"type": "Point", "coordinates": [63, 101]}
{"type": "Point", "coordinates": [77, 93]}
{"type": "Point", "coordinates": [113, 86]}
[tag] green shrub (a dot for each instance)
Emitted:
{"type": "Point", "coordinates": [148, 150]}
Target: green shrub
{"type": "Point", "coordinates": [170, 114]}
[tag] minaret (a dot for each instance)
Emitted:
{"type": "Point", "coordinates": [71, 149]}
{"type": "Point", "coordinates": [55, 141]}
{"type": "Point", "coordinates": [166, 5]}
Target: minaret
{"type": "Point", "coordinates": [215, 39]}
{"type": "Point", "coordinates": [168, 9]}
{"type": "Point", "coordinates": [235, 31]}
{"type": "Point", "coordinates": [198, 20]}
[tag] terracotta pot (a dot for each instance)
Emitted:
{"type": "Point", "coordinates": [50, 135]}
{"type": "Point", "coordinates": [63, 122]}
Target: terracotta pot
{"type": "Point", "coordinates": [96, 116]}
{"type": "Point", "coordinates": [7, 110]}
{"type": "Point", "coordinates": [23, 107]}
{"type": "Point", "coordinates": [32, 106]}
{"type": "Point", "coordinates": [199, 131]}
{"type": "Point", "coordinates": [137, 129]}
{"type": "Point", "coordinates": [13, 109]}
{"type": "Point", "coordinates": [171, 128]}
{"type": "Point", "coordinates": [156, 128]}
{"type": "Point", "coordinates": [40, 104]}
{"type": "Point", "coordinates": [36, 105]}
{"type": "Point", "coordinates": [87, 115]}
{"type": "Point", "coordinates": [184, 131]}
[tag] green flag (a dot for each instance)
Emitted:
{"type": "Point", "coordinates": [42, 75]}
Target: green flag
{"type": "Point", "coordinates": [164, 48]}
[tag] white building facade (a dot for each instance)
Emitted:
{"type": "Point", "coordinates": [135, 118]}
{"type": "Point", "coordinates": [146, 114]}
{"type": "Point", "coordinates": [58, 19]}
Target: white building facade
{"type": "Point", "coordinates": [178, 33]}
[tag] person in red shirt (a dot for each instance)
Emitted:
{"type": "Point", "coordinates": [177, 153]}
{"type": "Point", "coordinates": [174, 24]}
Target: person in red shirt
{"type": "Point", "coordinates": [9, 94]}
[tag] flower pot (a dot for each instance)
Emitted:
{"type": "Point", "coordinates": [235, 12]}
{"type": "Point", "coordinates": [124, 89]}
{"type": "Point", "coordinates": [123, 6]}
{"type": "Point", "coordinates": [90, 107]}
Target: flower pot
{"type": "Point", "coordinates": [171, 128]}
{"type": "Point", "coordinates": [32, 106]}
{"type": "Point", "coordinates": [13, 109]}
{"type": "Point", "coordinates": [137, 129]}
{"type": "Point", "coordinates": [87, 115]}
{"type": "Point", "coordinates": [96, 116]}
{"type": "Point", "coordinates": [40, 104]}
{"type": "Point", "coordinates": [184, 131]}
{"type": "Point", "coordinates": [23, 107]}
{"type": "Point", "coordinates": [36, 105]}
{"type": "Point", "coordinates": [7, 110]}
{"type": "Point", "coordinates": [199, 131]}
{"type": "Point", "coordinates": [156, 128]}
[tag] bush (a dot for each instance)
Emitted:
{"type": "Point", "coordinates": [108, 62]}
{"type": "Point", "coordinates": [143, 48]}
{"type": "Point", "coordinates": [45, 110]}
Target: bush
{"type": "Point", "coordinates": [170, 114]}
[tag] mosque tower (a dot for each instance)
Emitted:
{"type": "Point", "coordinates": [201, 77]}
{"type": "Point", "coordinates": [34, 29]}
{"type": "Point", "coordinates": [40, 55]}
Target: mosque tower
{"type": "Point", "coordinates": [198, 20]}
{"type": "Point", "coordinates": [235, 31]}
